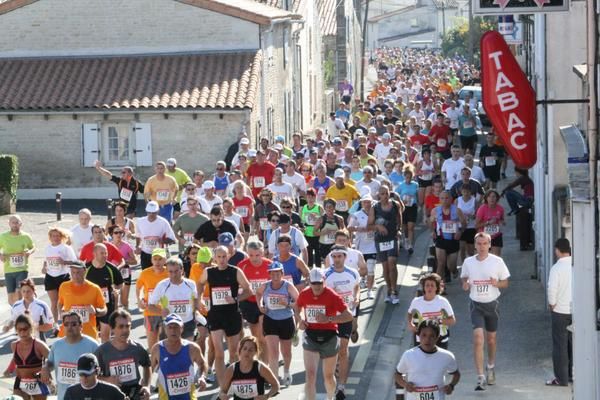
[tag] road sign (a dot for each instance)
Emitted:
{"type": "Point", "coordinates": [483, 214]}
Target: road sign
{"type": "Point", "coordinates": [488, 7]}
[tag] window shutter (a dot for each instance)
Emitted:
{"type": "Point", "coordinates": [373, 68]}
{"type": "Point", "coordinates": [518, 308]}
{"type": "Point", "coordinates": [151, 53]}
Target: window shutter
{"type": "Point", "coordinates": [143, 144]}
{"type": "Point", "coordinates": [90, 144]}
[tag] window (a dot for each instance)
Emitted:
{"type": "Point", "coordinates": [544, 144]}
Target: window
{"type": "Point", "coordinates": [117, 143]}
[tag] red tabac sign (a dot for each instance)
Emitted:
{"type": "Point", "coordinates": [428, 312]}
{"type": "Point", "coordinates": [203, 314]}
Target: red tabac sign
{"type": "Point", "coordinates": [508, 99]}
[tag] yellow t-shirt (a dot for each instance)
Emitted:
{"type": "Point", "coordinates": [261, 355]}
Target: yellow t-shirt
{"type": "Point", "coordinates": [148, 280]}
{"type": "Point", "coordinates": [343, 197]}
{"type": "Point", "coordinates": [162, 191]}
{"type": "Point", "coordinates": [77, 298]}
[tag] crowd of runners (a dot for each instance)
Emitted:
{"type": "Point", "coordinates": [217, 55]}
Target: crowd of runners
{"type": "Point", "coordinates": [276, 248]}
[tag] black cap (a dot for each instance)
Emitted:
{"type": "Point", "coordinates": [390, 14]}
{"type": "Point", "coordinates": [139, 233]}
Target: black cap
{"type": "Point", "coordinates": [284, 219]}
{"type": "Point", "coordinates": [87, 364]}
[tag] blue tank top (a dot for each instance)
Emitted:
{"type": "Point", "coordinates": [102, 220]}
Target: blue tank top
{"type": "Point", "coordinates": [176, 374]}
{"type": "Point", "coordinates": [295, 250]}
{"type": "Point", "coordinates": [271, 297]}
{"type": "Point", "coordinates": [290, 269]}
{"type": "Point", "coordinates": [322, 185]}
{"type": "Point", "coordinates": [221, 183]}
{"type": "Point", "coordinates": [451, 222]}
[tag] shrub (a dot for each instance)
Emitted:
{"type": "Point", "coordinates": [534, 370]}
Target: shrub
{"type": "Point", "coordinates": [9, 174]}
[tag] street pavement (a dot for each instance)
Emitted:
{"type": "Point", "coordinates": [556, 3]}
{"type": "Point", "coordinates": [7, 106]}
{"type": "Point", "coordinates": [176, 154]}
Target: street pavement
{"type": "Point", "coordinates": [524, 337]}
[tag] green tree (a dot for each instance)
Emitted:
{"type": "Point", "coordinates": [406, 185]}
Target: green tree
{"type": "Point", "coordinates": [456, 39]}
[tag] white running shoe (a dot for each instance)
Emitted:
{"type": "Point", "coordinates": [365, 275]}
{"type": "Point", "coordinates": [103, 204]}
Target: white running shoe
{"type": "Point", "coordinates": [370, 294]}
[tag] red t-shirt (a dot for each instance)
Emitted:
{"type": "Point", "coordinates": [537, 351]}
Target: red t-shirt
{"type": "Point", "coordinates": [420, 139]}
{"type": "Point", "coordinates": [259, 176]}
{"type": "Point", "coordinates": [431, 201]}
{"type": "Point", "coordinates": [485, 214]}
{"type": "Point", "coordinates": [256, 275]}
{"type": "Point", "coordinates": [439, 135]}
{"type": "Point", "coordinates": [329, 302]}
{"type": "Point", "coordinates": [243, 207]}
{"type": "Point", "coordinates": [114, 255]}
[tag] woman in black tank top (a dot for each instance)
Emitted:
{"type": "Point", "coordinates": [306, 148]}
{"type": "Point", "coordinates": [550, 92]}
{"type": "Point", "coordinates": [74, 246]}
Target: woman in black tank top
{"type": "Point", "coordinates": [247, 377]}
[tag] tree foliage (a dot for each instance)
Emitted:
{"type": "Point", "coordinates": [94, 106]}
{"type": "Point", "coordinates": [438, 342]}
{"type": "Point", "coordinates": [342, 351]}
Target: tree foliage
{"type": "Point", "coordinates": [456, 40]}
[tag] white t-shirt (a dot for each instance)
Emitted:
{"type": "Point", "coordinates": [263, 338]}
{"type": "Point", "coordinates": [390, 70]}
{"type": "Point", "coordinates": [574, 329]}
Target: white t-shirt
{"type": "Point", "coordinates": [80, 236]}
{"type": "Point", "coordinates": [281, 191]}
{"type": "Point", "coordinates": [343, 283]}
{"type": "Point", "coordinates": [452, 169]}
{"type": "Point", "coordinates": [206, 205]}
{"type": "Point", "coordinates": [373, 185]}
{"type": "Point", "coordinates": [468, 209]}
{"type": "Point", "coordinates": [152, 233]}
{"type": "Point", "coordinates": [235, 219]}
{"type": "Point", "coordinates": [436, 309]}
{"type": "Point", "coordinates": [38, 310]}
{"type": "Point", "coordinates": [54, 255]}
{"type": "Point", "coordinates": [453, 114]}
{"type": "Point", "coordinates": [178, 298]}
{"type": "Point", "coordinates": [480, 273]}
{"type": "Point", "coordinates": [381, 152]}
{"type": "Point", "coordinates": [477, 174]}
{"type": "Point", "coordinates": [297, 181]}
{"type": "Point", "coordinates": [427, 371]}
{"type": "Point", "coordinates": [419, 115]}
{"type": "Point", "coordinates": [298, 241]}
{"type": "Point", "coordinates": [352, 259]}
{"type": "Point", "coordinates": [364, 241]}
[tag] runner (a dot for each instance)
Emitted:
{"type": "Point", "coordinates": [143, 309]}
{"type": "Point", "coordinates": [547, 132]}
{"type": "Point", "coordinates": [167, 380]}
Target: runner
{"type": "Point", "coordinates": [425, 173]}
{"type": "Point", "coordinates": [364, 239]}
{"type": "Point", "coordinates": [323, 310]}
{"type": "Point", "coordinates": [422, 370]}
{"type": "Point", "coordinates": [64, 354]}
{"type": "Point", "coordinates": [489, 219]}
{"type": "Point", "coordinates": [299, 243]}
{"type": "Point", "coordinates": [55, 268]}
{"type": "Point", "coordinates": [144, 286]}
{"type": "Point", "coordinates": [247, 377]}
{"type": "Point", "coordinates": [176, 295]}
{"type": "Point", "coordinates": [345, 282]}
{"type": "Point", "coordinates": [260, 173]}
{"type": "Point", "coordinates": [121, 220]}
{"type": "Point", "coordinates": [224, 318]}
{"type": "Point", "coordinates": [385, 217]}
{"type": "Point", "coordinates": [221, 179]}
{"type": "Point", "coordinates": [28, 354]}
{"type": "Point", "coordinates": [447, 224]}
{"type": "Point", "coordinates": [466, 180]}
{"type": "Point", "coordinates": [327, 226]}
{"type": "Point", "coordinates": [321, 182]}
{"type": "Point", "coordinates": [188, 223]}
{"type": "Point", "coordinates": [127, 185]}
{"type": "Point", "coordinates": [431, 306]}
{"type": "Point", "coordinates": [279, 187]}
{"type": "Point", "coordinates": [208, 233]}
{"type": "Point", "coordinates": [98, 237]}
{"type": "Point", "coordinates": [117, 234]}
{"type": "Point", "coordinates": [161, 189]}
{"type": "Point", "coordinates": [82, 232]}
{"type": "Point", "coordinates": [343, 194]}
{"type": "Point", "coordinates": [275, 299]}
{"type": "Point", "coordinates": [467, 204]}
{"type": "Point", "coordinates": [263, 208]}
{"type": "Point", "coordinates": [110, 281]}
{"type": "Point", "coordinates": [208, 200]}
{"type": "Point", "coordinates": [408, 191]}
{"type": "Point", "coordinates": [255, 269]}
{"type": "Point", "coordinates": [483, 275]}
{"type": "Point", "coordinates": [230, 215]}
{"type": "Point", "coordinates": [310, 214]}
{"type": "Point", "coordinates": [153, 231]}
{"type": "Point", "coordinates": [89, 386]}
{"type": "Point", "coordinates": [244, 206]}
{"type": "Point", "coordinates": [120, 359]}
{"type": "Point", "coordinates": [82, 297]}
{"type": "Point", "coordinates": [451, 168]}
{"type": "Point", "coordinates": [16, 247]}
{"type": "Point", "coordinates": [37, 309]}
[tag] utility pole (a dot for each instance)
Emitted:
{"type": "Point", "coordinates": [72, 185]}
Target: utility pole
{"type": "Point", "coordinates": [470, 37]}
{"type": "Point", "coordinates": [443, 18]}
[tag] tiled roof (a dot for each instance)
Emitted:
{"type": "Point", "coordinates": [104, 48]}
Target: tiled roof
{"type": "Point", "coordinates": [327, 15]}
{"type": "Point", "coordinates": [445, 4]}
{"type": "Point", "coordinates": [205, 81]}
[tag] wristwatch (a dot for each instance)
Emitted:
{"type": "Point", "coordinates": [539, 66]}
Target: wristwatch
{"type": "Point", "coordinates": [329, 319]}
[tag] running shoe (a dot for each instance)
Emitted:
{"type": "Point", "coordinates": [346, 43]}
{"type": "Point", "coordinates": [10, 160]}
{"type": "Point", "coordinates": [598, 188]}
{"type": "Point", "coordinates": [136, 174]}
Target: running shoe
{"type": "Point", "coordinates": [395, 299]}
{"type": "Point", "coordinates": [480, 383]}
{"type": "Point", "coordinates": [388, 298]}
{"type": "Point", "coordinates": [295, 339]}
{"type": "Point", "coordinates": [490, 376]}
{"type": "Point", "coordinates": [211, 377]}
{"type": "Point", "coordinates": [286, 380]}
{"type": "Point", "coordinates": [411, 250]}
{"type": "Point", "coordinates": [340, 395]}
{"type": "Point", "coordinates": [370, 294]}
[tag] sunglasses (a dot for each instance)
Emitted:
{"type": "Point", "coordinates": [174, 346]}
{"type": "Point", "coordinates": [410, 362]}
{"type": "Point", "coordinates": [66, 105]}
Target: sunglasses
{"type": "Point", "coordinates": [70, 323]}
{"type": "Point", "coordinates": [286, 206]}
{"type": "Point", "coordinates": [117, 232]}
{"type": "Point", "coordinates": [306, 170]}
{"type": "Point", "coordinates": [275, 220]}
{"type": "Point", "coordinates": [220, 169]}
{"type": "Point", "coordinates": [316, 283]}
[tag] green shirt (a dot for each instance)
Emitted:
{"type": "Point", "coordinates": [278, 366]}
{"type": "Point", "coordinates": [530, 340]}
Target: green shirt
{"type": "Point", "coordinates": [186, 226]}
{"type": "Point", "coordinates": [181, 177]}
{"type": "Point", "coordinates": [12, 248]}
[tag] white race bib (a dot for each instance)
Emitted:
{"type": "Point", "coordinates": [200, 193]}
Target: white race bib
{"type": "Point", "coordinates": [311, 218]}
{"type": "Point", "coordinates": [245, 388]}
{"type": "Point", "coordinates": [311, 311]}
{"type": "Point", "coordinates": [330, 238]}
{"type": "Point", "coordinates": [125, 272]}
{"type": "Point", "coordinates": [348, 299]}
{"type": "Point", "coordinates": [467, 124]}
{"type": "Point", "coordinates": [490, 161]}
{"type": "Point", "coordinates": [54, 264]}
{"type": "Point", "coordinates": [179, 383]}
{"type": "Point", "coordinates": [67, 373]}
{"type": "Point", "coordinates": [126, 194]}
{"type": "Point", "coordinates": [408, 200]}
{"type": "Point", "coordinates": [189, 238]}
{"type": "Point", "coordinates": [258, 182]}
{"type": "Point", "coordinates": [151, 242]}
{"type": "Point", "coordinates": [341, 205]}
{"type": "Point", "coordinates": [264, 223]}
{"type": "Point", "coordinates": [124, 369]}
{"type": "Point", "coordinates": [242, 210]}
{"type": "Point", "coordinates": [162, 195]}
{"type": "Point", "coordinates": [255, 284]}
{"type": "Point", "coordinates": [441, 143]}
{"type": "Point", "coordinates": [83, 312]}
{"type": "Point", "coordinates": [219, 295]}
{"type": "Point", "coordinates": [30, 386]}
{"type": "Point", "coordinates": [105, 294]}
{"type": "Point", "coordinates": [427, 176]}
{"type": "Point", "coordinates": [448, 227]}
{"type": "Point", "coordinates": [385, 246]}
{"type": "Point", "coordinates": [424, 393]}
{"type": "Point", "coordinates": [492, 229]}
{"type": "Point", "coordinates": [274, 301]}
{"type": "Point", "coordinates": [17, 260]}
{"type": "Point", "coordinates": [181, 308]}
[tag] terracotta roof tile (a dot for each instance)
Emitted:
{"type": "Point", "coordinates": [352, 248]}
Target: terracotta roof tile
{"type": "Point", "coordinates": [327, 16]}
{"type": "Point", "coordinates": [223, 80]}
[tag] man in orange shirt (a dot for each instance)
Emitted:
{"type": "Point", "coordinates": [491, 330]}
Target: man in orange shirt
{"type": "Point", "coordinates": [83, 297]}
{"type": "Point", "coordinates": [147, 281]}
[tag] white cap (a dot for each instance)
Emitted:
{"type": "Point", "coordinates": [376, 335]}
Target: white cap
{"type": "Point", "coordinates": [208, 185]}
{"type": "Point", "coordinates": [386, 135]}
{"type": "Point", "coordinates": [316, 275]}
{"type": "Point", "coordinates": [366, 197]}
{"type": "Point", "coordinates": [339, 173]}
{"type": "Point", "coordinates": [251, 153]}
{"type": "Point", "coordinates": [171, 162]}
{"type": "Point", "coordinates": [358, 132]}
{"type": "Point", "coordinates": [278, 146]}
{"type": "Point", "coordinates": [152, 207]}
{"type": "Point", "coordinates": [244, 140]}
{"type": "Point", "coordinates": [372, 130]}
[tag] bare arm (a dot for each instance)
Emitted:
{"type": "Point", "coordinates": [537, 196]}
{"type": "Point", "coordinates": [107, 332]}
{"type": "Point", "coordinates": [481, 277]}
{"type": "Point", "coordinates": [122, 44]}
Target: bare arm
{"type": "Point", "coordinates": [102, 171]}
{"type": "Point", "coordinates": [245, 285]}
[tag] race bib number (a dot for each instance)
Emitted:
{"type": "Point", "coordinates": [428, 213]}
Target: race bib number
{"type": "Point", "coordinates": [424, 393]}
{"type": "Point", "coordinates": [242, 210]}
{"type": "Point", "coordinates": [67, 373]}
{"type": "Point", "coordinates": [125, 272]}
{"type": "Point", "coordinates": [492, 229]}
{"type": "Point", "coordinates": [427, 176]}
{"type": "Point", "coordinates": [83, 312]}
{"type": "Point", "coordinates": [448, 227]}
{"type": "Point", "coordinates": [441, 142]}
{"type": "Point", "coordinates": [180, 307]}
{"type": "Point", "coordinates": [385, 246]}
{"type": "Point", "coordinates": [276, 302]}
{"type": "Point", "coordinates": [255, 284]}
{"type": "Point", "coordinates": [245, 388]}
{"type": "Point", "coordinates": [17, 260]}
{"type": "Point", "coordinates": [124, 369]}
{"type": "Point", "coordinates": [30, 386]}
{"type": "Point", "coordinates": [54, 264]}
{"type": "Point", "coordinates": [105, 294]}
{"type": "Point", "coordinates": [126, 194]}
{"type": "Point", "coordinates": [341, 205]}
{"type": "Point", "coordinates": [206, 301]}
{"type": "Point", "coordinates": [480, 290]}
{"type": "Point", "coordinates": [151, 242]}
{"type": "Point", "coordinates": [278, 197]}
{"type": "Point", "coordinates": [311, 219]}
{"type": "Point", "coordinates": [258, 182]}
{"type": "Point", "coordinates": [490, 161]}
{"type": "Point", "coordinates": [371, 235]}
{"type": "Point", "coordinates": [330, 238]}
{"type": "Point", "coordinates": [219, 295]}
{"type": "Point", "coordinates": [189, 238]}
{"type": "Point", "coordinates": [162, 195]}
{"type": "Point", "coordinates": [468, 124]}
{"type": "Point", "coordinates": [312, 311]}
{"type": "Point", "coordinates": [179, 383]}
{"type": "Point", "coordinates": [408, 200]}
{"type": "Point", "coordinates": [348, 299]}
{"type": "Point", "coordinates": [264, 223]}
